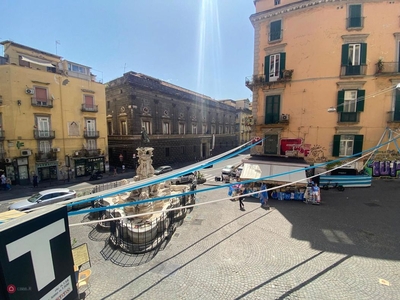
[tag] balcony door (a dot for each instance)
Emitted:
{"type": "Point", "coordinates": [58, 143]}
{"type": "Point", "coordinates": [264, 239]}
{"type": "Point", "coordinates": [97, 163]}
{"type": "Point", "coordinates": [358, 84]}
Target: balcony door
{"type": "Point", "coordinates": [396, 113]}
{"type": "Point", "coordinates": [91, 127]}
{"type": "Point", "coordinates": [43, 126]}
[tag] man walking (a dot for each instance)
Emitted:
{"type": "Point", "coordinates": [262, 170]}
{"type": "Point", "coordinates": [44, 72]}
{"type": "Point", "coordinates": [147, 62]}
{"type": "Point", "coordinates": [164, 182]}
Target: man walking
{"type": "Point", "coordinates": [241, 197]}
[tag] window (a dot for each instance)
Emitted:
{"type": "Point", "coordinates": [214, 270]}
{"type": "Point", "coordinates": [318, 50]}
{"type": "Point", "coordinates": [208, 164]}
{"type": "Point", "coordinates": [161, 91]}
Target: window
{"type": "Point", "coordinates": [109, 128]}
{"type": "Point", "coordinates": [226, 129]}
{"type": "Point", "coordinates": [275, 31]}
{"type": "Point", "coordinates": [355, 20]}
{"type": "Point", "coordinates": [272, 109]}
{"type": "Point", "coordinates": [41, 96]}
{"type": "Point", "coordinates": [349, 103]}
{"type": "Point", "coordinates": [147, 126]}
{"type": "Point", "coordinates": [90, 127]}
{"type": "Point", "coordinates": [44, 146]}
{"type": "Point", "coordinates": [212, 129]}
{"type": "Point", "coordinates": [204, 128]}
{"type": "Point", "coordinates": [76, 68]}
{"type": "Point", "coordinates": [220, 129]}
{"type": "Point", "coordinates": [43, 124]}
{"type": "Point", "coordinates": [277, 2]}
{"type": "Point", "coordinates": [345, 145]}
{"type": "Point", "coordinates": [354, 57]}
{"type": "Point", "coordinates": [273, 66]}
{"type": "Point", "coordinates": [166, 128]}
{"type": "Point", "coordinates": [124, 127]}
{"type": "Point", "coordinates": [181, 129]}
{"type": "Point", "coordinates": [89, 101]}
{"type": "Point", "coordinates": [91, 145]}
{"type": "Point", "coordinates": [194, 128]}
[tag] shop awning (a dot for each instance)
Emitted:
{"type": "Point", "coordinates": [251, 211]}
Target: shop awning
{"type": "Point", "coordinates": [36, 61]}
{"type": "Point", "coordinates": [262, 169]}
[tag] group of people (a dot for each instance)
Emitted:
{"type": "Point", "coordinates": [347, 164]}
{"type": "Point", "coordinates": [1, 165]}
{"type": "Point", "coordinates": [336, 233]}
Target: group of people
{"type": "Point", "coordinates": [240, 191]}
{"type": "Point", "coordinates": [5, 183]}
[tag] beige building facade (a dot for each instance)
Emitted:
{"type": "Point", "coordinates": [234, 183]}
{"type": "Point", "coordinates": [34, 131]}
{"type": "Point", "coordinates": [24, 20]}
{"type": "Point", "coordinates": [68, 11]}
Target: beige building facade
{"type": "Point", "coordinates": [52, 116]}
{"type": "Point", "coordinates": [325, 76]}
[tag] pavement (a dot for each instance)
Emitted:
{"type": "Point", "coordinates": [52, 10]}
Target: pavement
{"type": "Point", "coordinates": [345, 248]}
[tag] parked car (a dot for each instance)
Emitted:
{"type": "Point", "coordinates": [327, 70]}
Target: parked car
{"type": "Point", "coordinates": [183, 179]}
{"type": "Point", "coordinates": [162, 170]}
{"type": "Point", "coordinates": [43, 198]}
{"type": "Point", "coordinates": [228, 170]}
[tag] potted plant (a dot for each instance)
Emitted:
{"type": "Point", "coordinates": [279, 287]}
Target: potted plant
{"type": "Point", "coordinates": [380, 65]}
{"type": "Point", "coordinates": [200, 178]}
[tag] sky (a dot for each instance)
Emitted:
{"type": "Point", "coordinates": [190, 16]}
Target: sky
{"type": "Point", "coordinates": [202, 45]}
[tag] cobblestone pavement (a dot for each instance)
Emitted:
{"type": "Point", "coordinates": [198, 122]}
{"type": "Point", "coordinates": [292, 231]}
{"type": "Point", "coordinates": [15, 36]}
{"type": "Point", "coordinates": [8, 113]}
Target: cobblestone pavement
{"type": "Point", "coordinates": [338, 250]}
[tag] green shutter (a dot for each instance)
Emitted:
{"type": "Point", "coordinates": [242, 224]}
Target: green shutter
{"type": "Point", "coordinates": [266, 68]}
{"type": "Point", "coordinates": [345, 55]}
{"type": "Point", "coordinates": [355, 11]}
{"type": "Point", "coordinates": [363, 55]}
{"type": "Point", "coordinates": [360, 100]}
{"type": "Point", "coordinates": [336, 145]}
{"type": "Point", "coordinates": [340, 101]}
{"type": "Point", "coordinates": [269, 110]}
{"type": "Point", "coordinates": [282, 63]}
{"type": "Point", "coordinates": [358, 144]}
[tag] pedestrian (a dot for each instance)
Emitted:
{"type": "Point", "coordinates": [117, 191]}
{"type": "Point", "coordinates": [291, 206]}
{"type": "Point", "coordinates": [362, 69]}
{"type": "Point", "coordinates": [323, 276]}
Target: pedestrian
{"type": "Point", "coordinates": [263, 195]}
{"type": "Point", "coordinates": [241, 200]}
{"type": "Point", "coordinates": [315, 194]}
{"type": "Point", "coordinates": [8, 184]}
{"type": "Point", "coordinates": [35, 180]}
{"type": "Point", "coordinates": [115, 171]}
{"type": "Point", "coordinates": [3, 181]}
{"type": "Point", "coordinates": [123, 168]}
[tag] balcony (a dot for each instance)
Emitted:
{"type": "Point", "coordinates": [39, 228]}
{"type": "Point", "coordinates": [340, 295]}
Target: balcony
{"type": "Point", "coordinates": [259, 80]}
{"type": "Point", "coordinates": [355, 23]}
{"type": "Point", "coordinates": [44, 134]}
{"type": "Point", "coordinates": [387, 68]}
{"type": "Point", "coordinates": [45, 156]}
{"type": "Point", "coordinates": [2, 135]}
{"type": "Point", "coordinates": [90, 108]}
{"type": "Point", "coordinates": [91, 134]}
{"type": "Point", "coordinates": [393, 116]}
{"type": "Point", "coordinates": [358, 70]}
{"type": "Point", "coordinates": [349, 117]}
{"type": "Point", "coordinates": [42, 102]}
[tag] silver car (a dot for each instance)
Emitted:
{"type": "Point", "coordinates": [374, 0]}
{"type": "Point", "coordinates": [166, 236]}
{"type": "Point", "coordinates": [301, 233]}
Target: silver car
{"type": "Point", "coordinates": [228, 170]}
{"type": "Point", "coordinates": [183, 179]}
{"type": "Point", "coordinates": [162, 170]}
{"type": "Point", "coordinates": [43, 198]}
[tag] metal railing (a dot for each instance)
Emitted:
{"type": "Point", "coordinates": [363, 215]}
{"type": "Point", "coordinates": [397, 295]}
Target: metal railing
{"type": "Point", "coordinates": [44, 134]}
{"type": "Point", "coordinates": [91, 134]}
{"type": "Point", "coordinates": [42, 102]}
{"type": "Point", "coordinates": [90, 108]}
{"type": "Point", "coordinates": [351, 117]}
{"type": "Point", "coordinates": [355, 22]}
{"type": "Point", "coordinates": [45, 156]}
{"type": "Point", "coordinates": [387, 68]}
{"type": "Point", "coordinates": [353, 70]}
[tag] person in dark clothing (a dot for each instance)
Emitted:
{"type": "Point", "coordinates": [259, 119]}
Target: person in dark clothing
{"type": "Point", "coordinates": [35, 180]}
{"type": "Point", "coordinates": [241, 197]}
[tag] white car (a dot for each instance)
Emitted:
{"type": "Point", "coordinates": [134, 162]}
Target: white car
{"type": "Point", "coordinates": [43, 198]}
{"type": "Point", "coordinates": [183, 179]}
{"type": "Point", "coordinates": [228, 170]}
{"type": "Point", "coordinates": [162, 170]}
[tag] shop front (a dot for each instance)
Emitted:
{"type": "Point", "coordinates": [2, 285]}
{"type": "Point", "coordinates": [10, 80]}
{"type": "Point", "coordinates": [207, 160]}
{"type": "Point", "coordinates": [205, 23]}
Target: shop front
{"type": "Point", "coordinates": [86, 166]}
{"type": "Point", "coordinates": [47, 171]}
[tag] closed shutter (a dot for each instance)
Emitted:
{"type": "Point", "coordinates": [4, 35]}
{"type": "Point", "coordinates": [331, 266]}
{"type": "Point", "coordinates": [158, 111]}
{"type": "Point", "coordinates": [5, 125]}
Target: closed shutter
{"type": "Point", "coordinates": [360, 100]}
{"type": "Point", "coordinates": [41, 94]}
{"type": "Point", "coordinates": [336, 145]}
{"type": "Point", "coordinates": [282, 63]}
{"type": "Point", "coordinates": [272, 109]}
{"type": "Point", "coordinates": [89, 101]}
{"type": "Point", "coordinates": [266, 68]}
{"type": "Point", "coordinates": [275, 30]}
{"type": "Point", "coordinates": [340, 101]}
{"type": "Point", "coordinates": [345, 55]}
{"type": "Point", "coordinates": [358, 144]}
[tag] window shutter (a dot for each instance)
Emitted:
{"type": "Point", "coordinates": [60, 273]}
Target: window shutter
{"type": "Point", "coordinates": [360, 100]}
{"type": "Point", "coordinates": [282, 63]}
{"type": "Point", "coordinates": [358, 144]}
{"type": "Point", "coordinates": [336, 145]}
{"type": "Point", "coordinates": [340, 101]}
{"type": "Point", "coordinates": [345, 55]}
{"type": "Point", "coordinates": [266, 68]}
{"type": "Point", "coordinates": [363, 55]}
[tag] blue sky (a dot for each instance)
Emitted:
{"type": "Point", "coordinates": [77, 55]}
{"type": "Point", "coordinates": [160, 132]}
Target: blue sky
{"type": "Point", "coordinates": [205, 46]}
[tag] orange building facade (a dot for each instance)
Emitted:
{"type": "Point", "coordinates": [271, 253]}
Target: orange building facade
{"type": "Point", "coordinates": [325, 76]}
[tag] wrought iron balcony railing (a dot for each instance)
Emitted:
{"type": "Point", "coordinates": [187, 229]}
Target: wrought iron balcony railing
{"type": "Point", "coordinates": [355, 22]}
{"type": "Point", "coordinates": [91, 134]}
{"type": "Point", "coordinates": [45, 156]}
{"type": "Point", "coordinates": [357, 70]}
{"type": "Point", "coordinates": [42, 102]}
{"type": "Point", "coordinates": [90, 108]}
{"type": "Point", "coordinates": [254, 80]}
{"type": "Point", "coordinates": [393, 116]}
{"type": "Point", "coordinates": [349, 117]}
{"type": "Point", "coordinates": [387, 68]}
{"type": "Point", "coordinates": [44, 134]}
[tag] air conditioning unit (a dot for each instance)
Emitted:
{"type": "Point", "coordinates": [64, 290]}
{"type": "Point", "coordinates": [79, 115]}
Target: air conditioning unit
{"type": "Point", "coordinates": [26, 152]}
{"type": "Point", "coordinates": [56, 149]}
{"type": "Point", "coordinates": [284, 117]}
{"type": "Point", "coordinates": [30, 91]}
{"type": "Point", "coordinates": [8, 160]}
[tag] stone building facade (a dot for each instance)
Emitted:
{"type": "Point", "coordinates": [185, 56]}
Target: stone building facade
{"type": "Point", "coordinates": [183, 126]}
